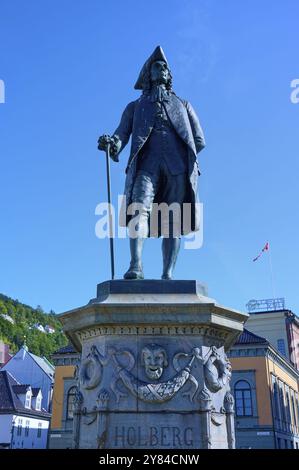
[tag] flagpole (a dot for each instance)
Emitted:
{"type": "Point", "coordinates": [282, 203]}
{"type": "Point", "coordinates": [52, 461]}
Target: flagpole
{"type": "Point", "coordinates": [271, 274]}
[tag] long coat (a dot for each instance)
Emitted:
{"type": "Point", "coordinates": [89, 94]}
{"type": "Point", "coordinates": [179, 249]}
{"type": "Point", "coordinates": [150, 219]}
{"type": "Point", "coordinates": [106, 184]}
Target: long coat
{"type": "Point", "coordinates": [138, 119]}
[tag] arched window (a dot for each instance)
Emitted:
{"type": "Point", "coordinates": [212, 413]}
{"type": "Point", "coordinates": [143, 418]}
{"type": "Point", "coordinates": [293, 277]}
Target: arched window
{"type": "Point", "coordinates": [70, 403]}
{"type": "Point", "coordinates": [243, 398]}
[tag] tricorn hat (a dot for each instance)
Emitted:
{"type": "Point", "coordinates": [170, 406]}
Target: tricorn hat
{"type": "Point", "coordinates": [158, 54]}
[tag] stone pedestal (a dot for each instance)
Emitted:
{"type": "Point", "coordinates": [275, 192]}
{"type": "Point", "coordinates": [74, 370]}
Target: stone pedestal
{"type": "Point", "coordinates": [153, 372]}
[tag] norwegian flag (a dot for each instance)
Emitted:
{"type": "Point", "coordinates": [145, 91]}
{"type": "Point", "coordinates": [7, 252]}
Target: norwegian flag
{"type": "Point", "coordinates": [266, 248]}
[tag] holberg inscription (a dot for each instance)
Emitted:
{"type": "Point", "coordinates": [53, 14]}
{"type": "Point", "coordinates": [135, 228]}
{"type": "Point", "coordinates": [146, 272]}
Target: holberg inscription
{"type": "Point", "coordinates": [153, 436]}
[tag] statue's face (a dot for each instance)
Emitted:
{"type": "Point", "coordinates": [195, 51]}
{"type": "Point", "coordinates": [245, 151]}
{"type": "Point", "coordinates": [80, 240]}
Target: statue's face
{"type": "Point", "coordinates": [159, 72]}
{"type": "Point", "coordinates": [154, 360]}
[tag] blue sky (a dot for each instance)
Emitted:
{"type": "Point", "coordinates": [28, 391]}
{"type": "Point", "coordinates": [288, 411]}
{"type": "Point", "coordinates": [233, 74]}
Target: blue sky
{"type": "Point", "coordinates": [69, 68]}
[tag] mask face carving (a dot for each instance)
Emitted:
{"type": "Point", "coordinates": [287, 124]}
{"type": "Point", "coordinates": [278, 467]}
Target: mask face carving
{"type": "Point", "coordinates": [154, 359]}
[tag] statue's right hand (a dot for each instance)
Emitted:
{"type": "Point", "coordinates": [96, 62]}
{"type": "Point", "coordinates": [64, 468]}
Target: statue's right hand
{"type": "Point", "coordinates": [103, 142]}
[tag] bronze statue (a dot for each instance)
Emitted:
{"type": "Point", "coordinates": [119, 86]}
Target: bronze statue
{"type": "Point", "coordinates": [166, 137]}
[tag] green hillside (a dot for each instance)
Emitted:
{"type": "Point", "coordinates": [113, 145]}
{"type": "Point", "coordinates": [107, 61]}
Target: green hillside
{"type": "Point", "coordinates": [25, 317]}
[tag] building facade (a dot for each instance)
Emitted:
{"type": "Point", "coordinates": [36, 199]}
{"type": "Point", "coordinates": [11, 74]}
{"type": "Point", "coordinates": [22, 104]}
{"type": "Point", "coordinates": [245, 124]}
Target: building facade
{"type": "Point", "coordinates": [65, 360]}
{"type": "Point", "coordinates": [265, 386]}
{"type": "Point", "coordinates": [31, 369]}
{"type": "Point", "coordinates": [23, 424]}
{"type": "Point", "coordinates": [280, 327]}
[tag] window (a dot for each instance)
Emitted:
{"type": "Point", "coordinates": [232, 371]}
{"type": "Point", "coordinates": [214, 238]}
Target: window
{"type": "Point", "coordinates": [28, 400]}
{"type": "Point", "coordinates": [70, 403]}
{"type": "Point", "coordinates": [281, 346]}
{"type": "Point", "coordinates": [276, 401]}
{"type": "Point", "coordinates": [285, 444]}
{"type": "Point", "coordinates": [293, 410]}
{"type": "Point", "coordinates": [27, 428]}
{"type": "Point", "coordinates": [19, 430]}
{"type": "Point", "coordinates": [288, 408]}
{"type": "Point", "coordinates": [38, 403]}
{"type": "Point", "coordinates": [282, 404]}
{"type": "Point", "coordinates": [39, 429]}
{"type": "Point", "coordinates": [243, 398]}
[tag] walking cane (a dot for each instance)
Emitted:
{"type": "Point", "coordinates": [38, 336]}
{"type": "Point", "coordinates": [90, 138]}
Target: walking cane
{"type": "Point", "coordinates": [109, 210]}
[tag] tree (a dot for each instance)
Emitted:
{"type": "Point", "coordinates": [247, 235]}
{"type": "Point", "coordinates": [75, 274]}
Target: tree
{"type": "Point", "coordinates": [25, 317]}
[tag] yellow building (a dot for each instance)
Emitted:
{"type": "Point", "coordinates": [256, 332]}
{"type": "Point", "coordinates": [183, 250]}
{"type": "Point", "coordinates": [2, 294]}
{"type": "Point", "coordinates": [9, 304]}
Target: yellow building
{"type": "Point", "coordinates": [65, 361]}
{"type": "Point", "coordinates": [265, 387]}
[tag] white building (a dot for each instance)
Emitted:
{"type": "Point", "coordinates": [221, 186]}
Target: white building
{"type": "Point", "coordinates": [39, 327]}
{"type": "Point", "coordinates": [49, 329]}
{"type": "Point", "coordinates": [7, 318]}
{"type": "Point", "coordinates": [23, 424]}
